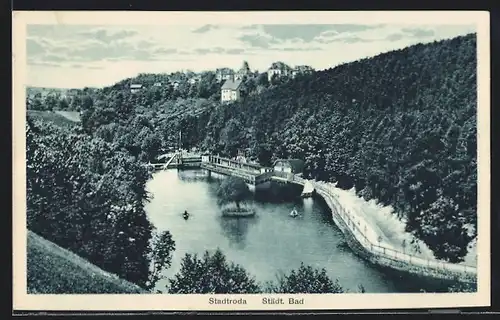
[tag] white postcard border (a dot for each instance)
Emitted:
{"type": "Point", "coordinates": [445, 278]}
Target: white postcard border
{"type": "Point", "coordinates": [127, 302]}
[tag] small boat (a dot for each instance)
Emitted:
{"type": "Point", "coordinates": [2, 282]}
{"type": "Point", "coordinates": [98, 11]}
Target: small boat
{"type": "Point", "coordinates": [185, 215]}
{"type": "Point", "coordinates": [294, 213]}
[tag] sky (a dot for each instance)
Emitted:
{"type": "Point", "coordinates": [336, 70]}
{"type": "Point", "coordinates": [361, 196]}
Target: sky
{"type": "Point", "coordinates": [75, 56]}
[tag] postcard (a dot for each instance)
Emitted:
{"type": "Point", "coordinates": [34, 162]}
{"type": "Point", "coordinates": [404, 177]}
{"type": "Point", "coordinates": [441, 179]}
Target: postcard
{"type": "Point", "coordinates": [205, 161]}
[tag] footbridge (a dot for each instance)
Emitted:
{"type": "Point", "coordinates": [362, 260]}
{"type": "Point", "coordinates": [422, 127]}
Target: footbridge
{"type": "Point", "coordinates": [253, 174]}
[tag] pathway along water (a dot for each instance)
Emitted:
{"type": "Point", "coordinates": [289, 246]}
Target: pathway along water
{"type": "Point", "coordinates": [268, 243]}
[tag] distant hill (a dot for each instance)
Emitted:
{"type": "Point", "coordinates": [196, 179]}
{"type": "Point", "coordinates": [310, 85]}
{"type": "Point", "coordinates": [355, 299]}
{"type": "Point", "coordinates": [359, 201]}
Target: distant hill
{"type": "Point", "coordinates": [52, 269]}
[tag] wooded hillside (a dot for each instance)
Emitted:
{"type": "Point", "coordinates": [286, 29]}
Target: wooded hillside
{"type": "Point", "coordinates": [399, 127]}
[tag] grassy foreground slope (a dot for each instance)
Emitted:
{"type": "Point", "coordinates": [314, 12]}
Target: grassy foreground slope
{"type": "Point", "coordinates": [52, 269]}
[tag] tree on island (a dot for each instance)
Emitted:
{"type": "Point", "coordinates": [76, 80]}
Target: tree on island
{"type": "Point", "coordinates": [211, 274]}
{"type": "Point", "coordinates": [233, 189]}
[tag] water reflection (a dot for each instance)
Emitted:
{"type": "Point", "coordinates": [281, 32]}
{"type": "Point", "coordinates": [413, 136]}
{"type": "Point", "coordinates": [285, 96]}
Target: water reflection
{"type": "Point", "coordinates": [193, 175]}
{"type": "Point", "coordinates": [235, 229]}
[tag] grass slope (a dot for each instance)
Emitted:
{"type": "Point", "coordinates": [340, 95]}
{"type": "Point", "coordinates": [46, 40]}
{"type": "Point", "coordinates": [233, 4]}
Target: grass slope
{"type": "Point", "coordinates": [70, 115]}
{"type": "Point", "coordinates": [62, 120]}
{"type": "Point", "coordinates": [52, 269]}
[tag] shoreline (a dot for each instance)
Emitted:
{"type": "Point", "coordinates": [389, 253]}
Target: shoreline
{"type": "Point", "coordinates": [384, 260]}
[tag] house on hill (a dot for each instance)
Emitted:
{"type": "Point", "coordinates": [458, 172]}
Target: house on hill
{"type": "Point", "coordinates": [174, 83]}
{"type": "Point", "coordinates": [230, 90]}
{"type": "Point", "coordinates": [244, 71]}
{"type": "Point", "coordinates": [194, 79]}
{"type": "Point", "coordinates": [302, 70]}
{"type": "Point", "coordinates": [278, 69]}
{"type": "Point", "coordinates": [135, 87]}
{"type": "Point", "coordinates": [224, 74]}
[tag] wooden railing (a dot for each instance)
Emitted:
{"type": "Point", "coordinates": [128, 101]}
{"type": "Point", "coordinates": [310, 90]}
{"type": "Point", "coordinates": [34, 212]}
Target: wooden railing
{"type": "Point", "coordinates": [357, 230]}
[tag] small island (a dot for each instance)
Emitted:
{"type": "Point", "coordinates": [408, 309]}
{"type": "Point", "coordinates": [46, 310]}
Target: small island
{"type": "Point", "coordinates": [234, 190]}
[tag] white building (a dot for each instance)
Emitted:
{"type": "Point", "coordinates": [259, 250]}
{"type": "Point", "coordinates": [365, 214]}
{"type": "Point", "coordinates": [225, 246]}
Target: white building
{"type": "Point", "coordinates": [135, 87]}
{"type": "Point", "coordinates": [231, 90]}
{"type": "Point", "coordinates": [278, 69]}
{"type": "Point", "coordinates": [194, 80]}
{"type": "Point", "coordinates": [224, 74]}
{"type": "Point", "coordinates": [301, 70]}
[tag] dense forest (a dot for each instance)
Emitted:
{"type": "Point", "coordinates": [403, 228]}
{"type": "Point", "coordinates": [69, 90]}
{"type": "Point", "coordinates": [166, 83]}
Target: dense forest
{"type": "Point", "coordinates": [399, 127]}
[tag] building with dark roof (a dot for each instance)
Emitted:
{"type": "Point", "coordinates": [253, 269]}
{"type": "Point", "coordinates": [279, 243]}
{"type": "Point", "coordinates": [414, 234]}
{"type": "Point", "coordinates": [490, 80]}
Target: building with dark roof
{"type": "Point", "coordinates": [294, 166]}
{"type": "Point", "coordinates": [302, 70]}
{"type": "Point", "coordinates": [278, 69]}
{"type": "Point", "coordinates": [230, 90]}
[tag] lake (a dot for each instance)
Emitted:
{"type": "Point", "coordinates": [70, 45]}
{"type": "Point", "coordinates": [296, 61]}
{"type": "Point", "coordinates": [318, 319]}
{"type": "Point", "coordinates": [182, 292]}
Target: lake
{"type": "Point", "coordinates": [269, 243]}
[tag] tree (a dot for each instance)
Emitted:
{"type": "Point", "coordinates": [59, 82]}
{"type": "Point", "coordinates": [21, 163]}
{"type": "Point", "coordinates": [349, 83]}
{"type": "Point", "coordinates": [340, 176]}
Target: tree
{"type": "Point", "coordinates": [232, 136]}
{"type": "Point", "coordinates": [262, 79]}
{"type": "Point", "coordinates": [305, 279]}
{"type": "Point", "coordinates": [233, 189]}
{"type": "Point", "coordinates": [211, 274]}
{"type": "Point", "coordinates": [161, 256]}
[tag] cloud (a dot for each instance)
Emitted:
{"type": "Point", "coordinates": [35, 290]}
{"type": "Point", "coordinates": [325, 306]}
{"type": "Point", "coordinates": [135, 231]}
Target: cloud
{"type": "Point", "coordinates": [219, 50]}
{"type": "Point", "coordinates": [34, 47]}
{"type": "Point", "coordinates": [45, 64]}
{"type": "Point", "coordinates": [250, 27]}
{"type": "Point", "coordinates": [298, 49]}
{"type": "Point", "coordinates": [256, 40]}
{"type": "Point", "coordinates": [205, 28]}
{"type": "Point", "coordinates": [395, 37]}
{"type": "Point", "coordinates": [209, 50]}
{"type": "Point", "coordinates": [420, 33]}
{"type": "Point", "coordinates": [161, 50]}
{"type": "Point", "coordinates": [308, 32]}
{"type": "Point", "coordinates": [348, 38]}
{"type": "Point", "coordinates": [86, 66]}
{"type": "Point", "coordinates": [410, 33]}
{"type": "Point", "coordinates": [235, 51]}
{"type": "Point", "coordinates": [106, 36]}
